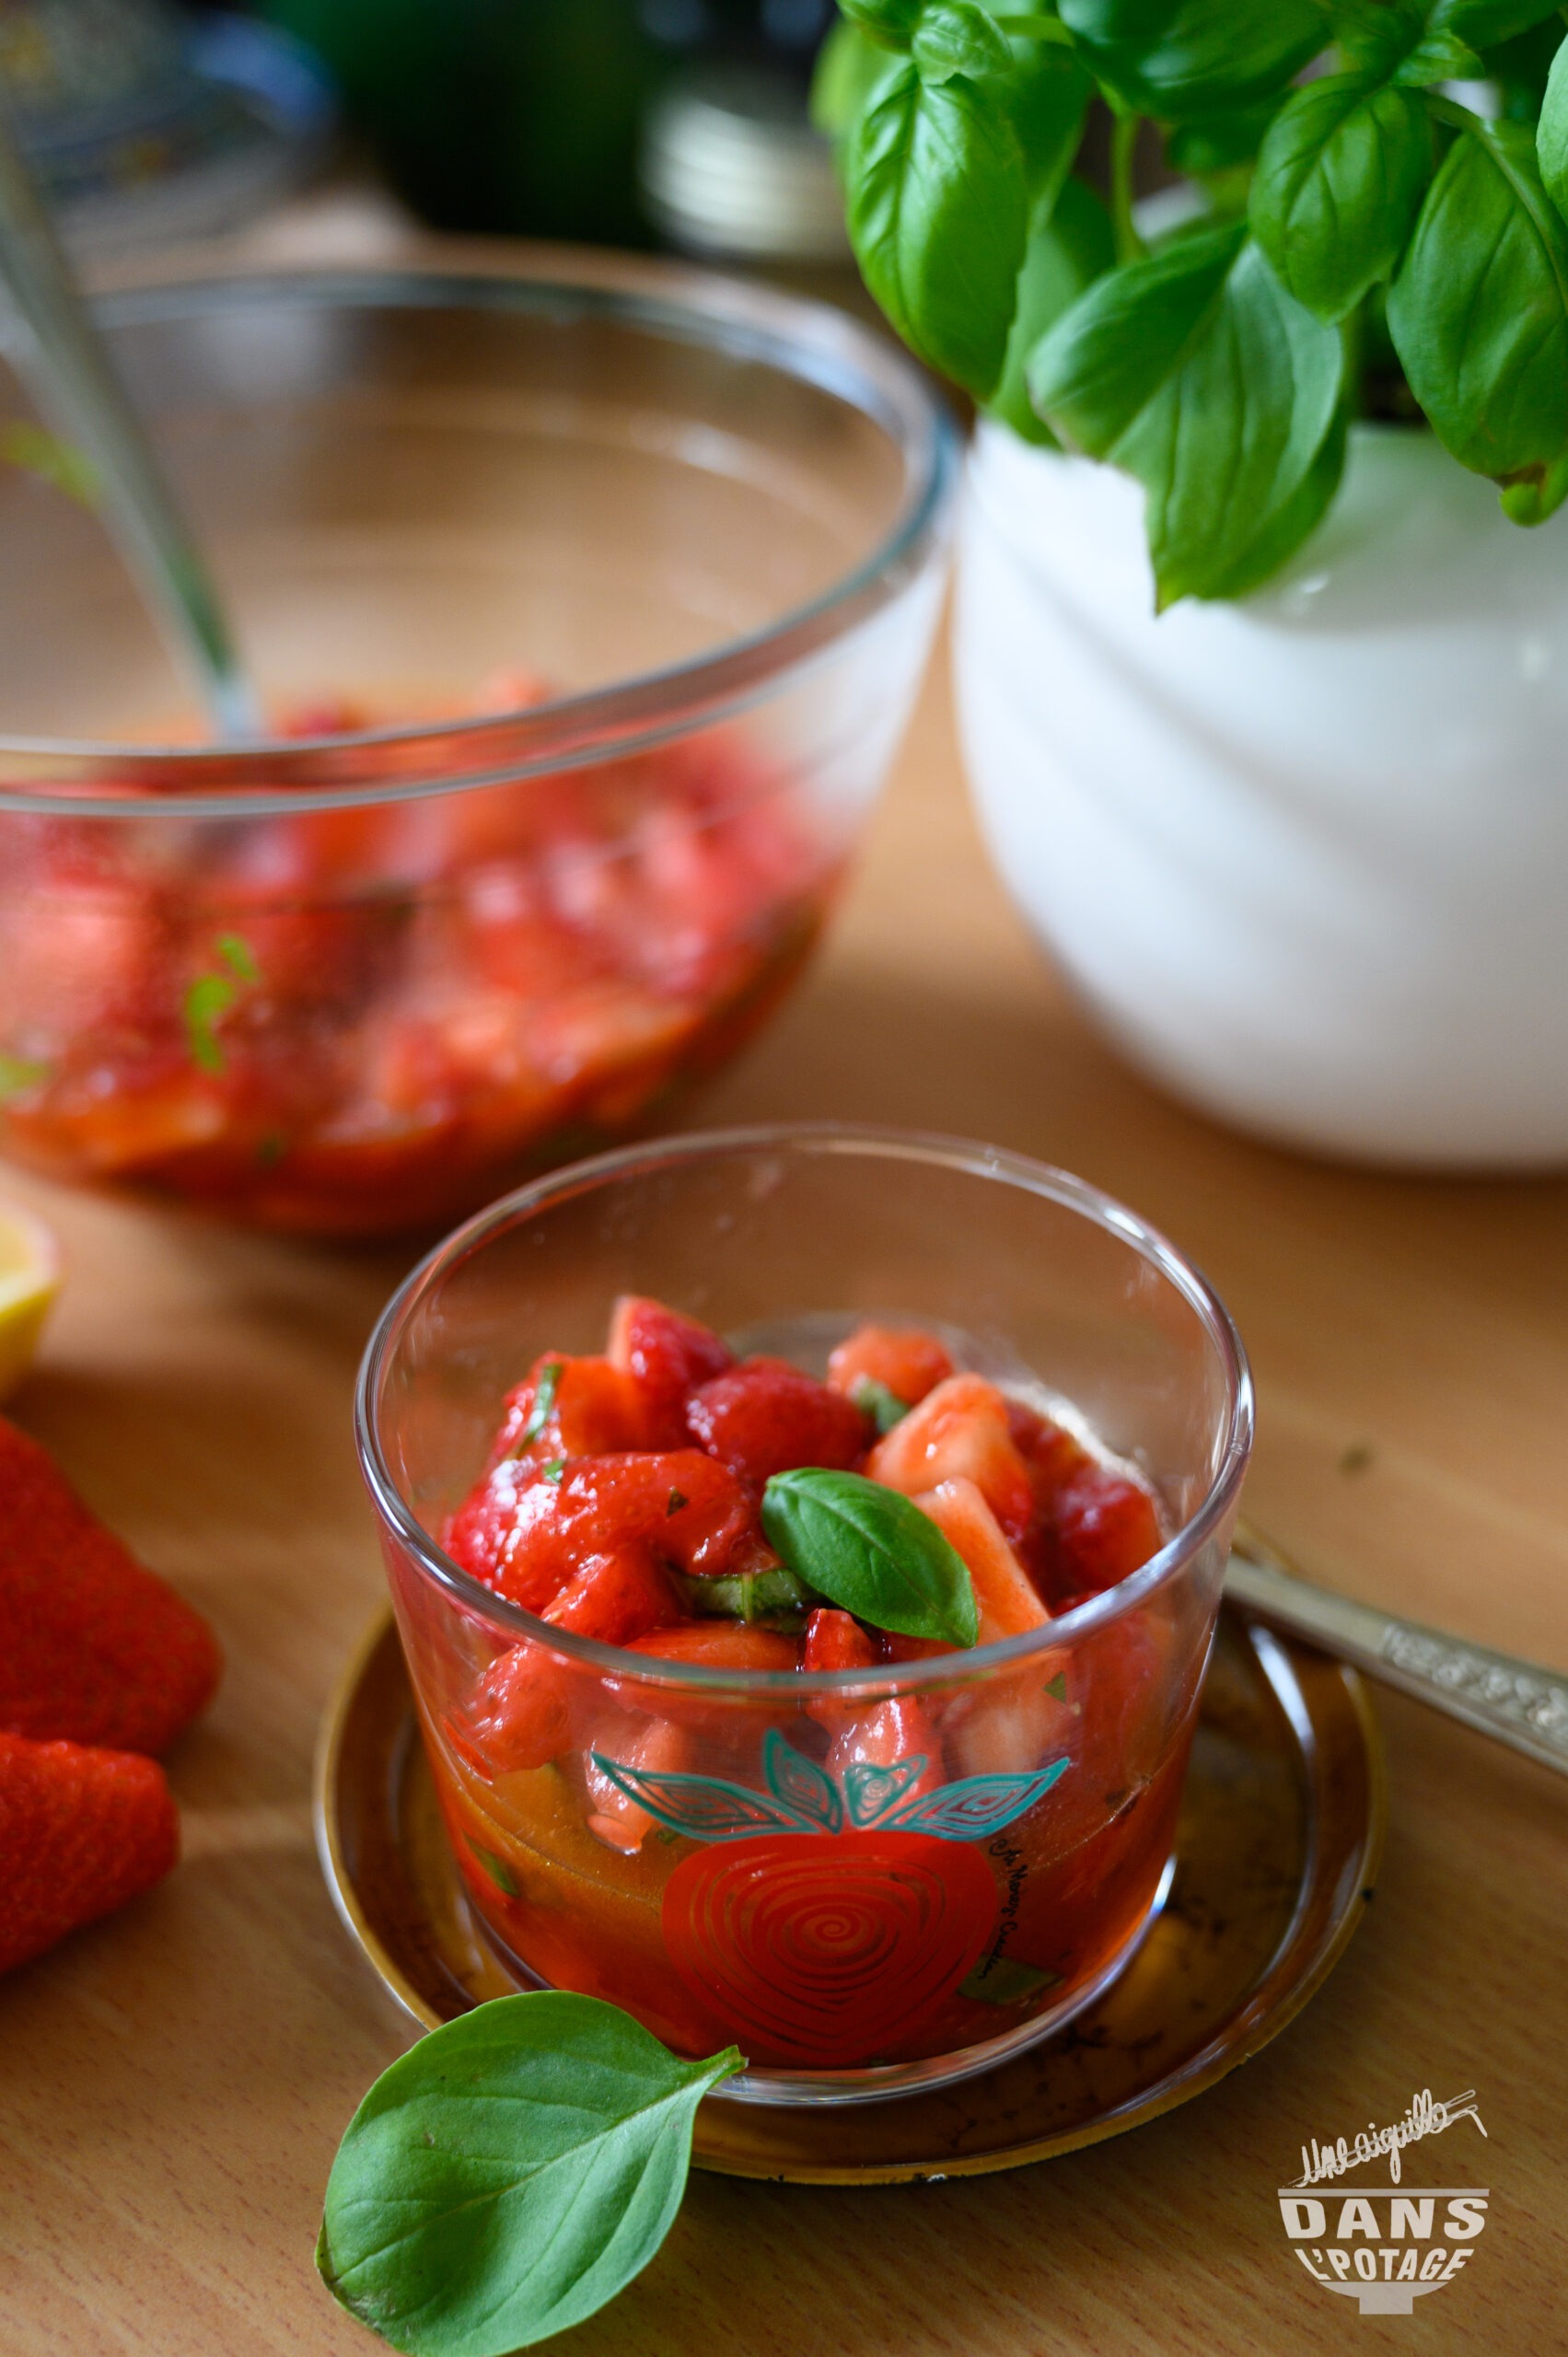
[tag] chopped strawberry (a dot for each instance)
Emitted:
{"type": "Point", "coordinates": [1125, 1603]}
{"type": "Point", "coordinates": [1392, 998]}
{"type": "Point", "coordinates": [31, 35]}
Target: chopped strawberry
{"type": "Point", "coordinates": [766, 1417]}
{"type": "Point", "coordinates": [82, 1831]}
{"type": "Point", "coordinates": [524, 1528]}
{"type": "Point", "coordinates": [616, 1597]}
{"type": "Point", "coordinates": [93, 1647]}
{"type": "Point", "coordinates": [1103, 1526]}
{"type": "Point", "coordinates": [904, 1361]}
{"type": "Point", "coordinates": [885, 1736]}
{"type": "Point", "coordinates": [959, 1431]}
{"type": "Point", "coordinates": [571, 1407]}
{"type": "Point", "coordinates": [668, 1356]}
{"type": "Point", "coordinates": [722, 1645]}
{"type": "Point", "coordinates": [521, 1713]}
{"type": "Point", "coordinates": [836, 1640]}
{"type": "Point", "coordinates": [615, 1818]}
{"type": "Point", "coordinates": [1004, 1593]}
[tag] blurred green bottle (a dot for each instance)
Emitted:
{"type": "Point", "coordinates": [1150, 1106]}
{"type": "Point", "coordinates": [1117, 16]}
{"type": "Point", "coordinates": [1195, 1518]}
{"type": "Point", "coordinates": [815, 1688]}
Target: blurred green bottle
{"type": "Point", "coordinates": [518, 116]}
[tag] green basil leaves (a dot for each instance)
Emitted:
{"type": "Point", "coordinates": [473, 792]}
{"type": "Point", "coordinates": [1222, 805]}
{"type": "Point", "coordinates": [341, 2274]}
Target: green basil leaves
{"type": "Point", "coordinates": [1209, 364]}
{"type": "Point", "coordinates": [1198, 373]}
{"type": "Point", "coordinates": [937, 212]}
{"type": "Point", "coordinates": [873, 1552]}
{"type": "Point", "coordinates": [510, 2174]}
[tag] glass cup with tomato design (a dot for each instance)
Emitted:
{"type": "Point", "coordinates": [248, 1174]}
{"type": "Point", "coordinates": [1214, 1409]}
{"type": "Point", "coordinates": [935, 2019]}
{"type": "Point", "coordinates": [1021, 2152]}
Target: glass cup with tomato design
{"type": "Point", "coordinates": [878, 1878]}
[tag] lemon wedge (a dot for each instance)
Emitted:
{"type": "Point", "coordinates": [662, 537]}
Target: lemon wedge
{"type": "Point", "coordinates": [30, 1278]}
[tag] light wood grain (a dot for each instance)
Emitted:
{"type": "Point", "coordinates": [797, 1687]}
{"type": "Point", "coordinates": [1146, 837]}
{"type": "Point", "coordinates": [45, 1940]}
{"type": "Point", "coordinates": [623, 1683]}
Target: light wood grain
{"type": "Point", "coordinates": [172, 2082]}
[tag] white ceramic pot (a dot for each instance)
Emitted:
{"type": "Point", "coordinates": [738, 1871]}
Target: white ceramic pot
{"type": "Point", "coordinates": [1306, 856]}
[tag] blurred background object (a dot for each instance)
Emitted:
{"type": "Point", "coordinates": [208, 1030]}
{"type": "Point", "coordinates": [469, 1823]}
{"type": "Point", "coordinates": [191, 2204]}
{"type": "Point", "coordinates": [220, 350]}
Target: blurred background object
{"type": "Point", "coordinates": [144, 123]}
{"type": "Point", "coordinates": [621, 122]}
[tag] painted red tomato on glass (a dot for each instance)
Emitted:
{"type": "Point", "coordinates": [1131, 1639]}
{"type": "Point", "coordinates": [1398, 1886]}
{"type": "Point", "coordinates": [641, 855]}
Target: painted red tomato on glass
{"type": "Point", "coordinates": [827, 1949]}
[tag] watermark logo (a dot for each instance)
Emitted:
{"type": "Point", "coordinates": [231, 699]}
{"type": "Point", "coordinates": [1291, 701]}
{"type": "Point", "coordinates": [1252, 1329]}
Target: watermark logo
{"type": "Point", "coordinates": [1384, 2246]}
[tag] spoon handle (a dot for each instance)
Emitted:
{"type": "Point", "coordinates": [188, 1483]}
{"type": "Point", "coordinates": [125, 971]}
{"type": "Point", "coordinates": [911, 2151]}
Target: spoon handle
{"type": "Point", "coordinates": [61, 358]}
{"type": "Point", "coordinates": [1514, 1701]}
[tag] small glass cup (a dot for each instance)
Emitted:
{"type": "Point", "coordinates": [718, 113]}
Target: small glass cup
{"type": "Point", "coordinates": [710, 1849]}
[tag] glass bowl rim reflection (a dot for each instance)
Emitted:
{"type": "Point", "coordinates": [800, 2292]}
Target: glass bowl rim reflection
{"type": "Point", "coordinates": [811, 341]}
{"type": "Point", "coordinates": [960, 1154]}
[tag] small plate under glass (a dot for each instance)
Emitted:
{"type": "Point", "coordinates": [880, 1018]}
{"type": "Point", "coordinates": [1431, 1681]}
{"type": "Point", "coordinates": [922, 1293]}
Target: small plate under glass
{"type": "Point", "coordinates": [1277, 1846]}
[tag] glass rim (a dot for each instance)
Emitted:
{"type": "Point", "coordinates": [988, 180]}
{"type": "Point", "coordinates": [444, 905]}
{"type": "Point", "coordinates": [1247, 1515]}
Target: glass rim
{"type": "Point", "coordinates": [960, 1154]}
{"type": "Point", "coordinates": [808, 341]}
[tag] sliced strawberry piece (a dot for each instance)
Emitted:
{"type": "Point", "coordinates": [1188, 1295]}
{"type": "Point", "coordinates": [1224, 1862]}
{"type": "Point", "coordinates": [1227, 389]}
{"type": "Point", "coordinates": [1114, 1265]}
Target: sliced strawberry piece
{"type": "Point", "coordinates": [615, 1596]}
{"type": "Point", "coordinates": [93, 1648]}
{"type": "Point", "coordinates": [766, 1417]}
{"type": "Point", "coordinates": [835, 1640]}
{"type": "Point", "coordinates": [1103, 1526]}
{"type": "Point", "coordinates": [524, 1529]}
{"type": "Point", "coordinates": [906, 1361]}
{"type": "Point", "coordinates": [722, 1645]}
{"type": "Point", "coordinates": [571, 1407]}
{"type": "Point", "coordinates": [522, 1711]}
{"type": "Point", "coordinates": [81, 1832]}
{"type": "Point", "coordinates": [1052, 1453]}
{"type": "Point", "coordinates": [615, 1818]}
{"type": "Point", "coordinates": [666, 1355]}
{"type": "Point", "coordinates": [1004, 1593]}
{"type": "Point", "coordinates": [886, 1735]}
{"type": "Point", "coordinates": [959, 1431]}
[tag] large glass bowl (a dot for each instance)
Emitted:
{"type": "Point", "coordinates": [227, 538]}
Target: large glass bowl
{"type": "Point", "coordinates": [853, 1941]}
{"type": "Point", "coordinates": [635, 571]}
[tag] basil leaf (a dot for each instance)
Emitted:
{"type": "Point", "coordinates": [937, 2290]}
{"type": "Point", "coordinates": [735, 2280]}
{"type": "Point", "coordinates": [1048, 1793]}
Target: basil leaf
{"type": "Point", "coordinates": [1552, 132]}
{"type": "Point", "coordinates": [1292, 524]}
{"type": "Point", "coordinates": [750, 1595]}
{"type": "Point", "coordinates": [1047, 94]}
{"type": "Point", "coordinates": [1479, 313]}
{"type": "Point", "coordinates": [1180, 60]}
{"type": "Point", "coordinates": [1196, 372]}
{"type": "Point", "coordinates": [1531, 497]}
{"type": "Point", "coordinates": [1068, 250]}
{"type": "Point", "coordinates": [872, 1552]}
{"type": "Point", "coordinates": [849, 66]}
{"type": "Point", "coordinates": [958, 37]}
{"type": "Point", "coordinates": [1482, 24]}
{"type": "Point", "coordinates": [937, 210]}
{"type": "Point", "coordinates": [1339, 181]}
{"type": "Point", "coordinates": [510, 2174]}
{"type": "Point", "coordinates": [874, 1399]}
{"type": "Point", "coordinates": [889, 22]}
{"type": "Point", "coordinates": [1218, 142]}
{"type": "Point", "coordinates": [542, 1407]}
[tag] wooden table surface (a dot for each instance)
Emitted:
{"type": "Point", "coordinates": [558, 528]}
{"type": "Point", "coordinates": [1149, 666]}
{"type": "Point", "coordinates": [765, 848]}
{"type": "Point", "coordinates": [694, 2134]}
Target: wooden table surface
{"type": "Point", "coordinates": [173, 2082]}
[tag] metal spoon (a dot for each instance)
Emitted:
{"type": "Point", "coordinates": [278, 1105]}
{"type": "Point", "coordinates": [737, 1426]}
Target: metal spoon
{"type": "Point", "coordinates": [1516, 1702]}
{"type": "Point", "coordinates": [59, 354]}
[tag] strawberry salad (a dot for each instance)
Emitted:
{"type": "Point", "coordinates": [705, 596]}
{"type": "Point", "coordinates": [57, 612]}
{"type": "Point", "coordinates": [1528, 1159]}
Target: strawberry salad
{"type": "Point", "coordinates": [769, 1869]}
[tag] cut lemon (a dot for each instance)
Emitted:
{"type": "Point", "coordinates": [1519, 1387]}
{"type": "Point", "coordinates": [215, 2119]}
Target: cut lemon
{"type": "Point", "coordinates": [30, 1278]}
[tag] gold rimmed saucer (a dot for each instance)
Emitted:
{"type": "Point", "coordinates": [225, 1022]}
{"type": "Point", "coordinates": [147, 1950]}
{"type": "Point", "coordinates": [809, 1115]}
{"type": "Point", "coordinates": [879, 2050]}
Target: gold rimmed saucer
{"type": "Point", "coordinates": [1278, 1843]}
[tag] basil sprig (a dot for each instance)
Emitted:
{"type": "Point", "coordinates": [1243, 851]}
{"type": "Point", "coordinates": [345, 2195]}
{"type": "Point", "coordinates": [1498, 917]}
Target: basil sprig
{"type": "Point", "coordinates": [873, 1552]}
{"type": "Point", "coordinates": [1359, 205]}
{"type": "Point", "coordinates": [510, 2174]}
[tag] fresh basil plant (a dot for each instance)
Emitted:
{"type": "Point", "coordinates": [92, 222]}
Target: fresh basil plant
{"type": "Point", "coordinates": [1362, 240]}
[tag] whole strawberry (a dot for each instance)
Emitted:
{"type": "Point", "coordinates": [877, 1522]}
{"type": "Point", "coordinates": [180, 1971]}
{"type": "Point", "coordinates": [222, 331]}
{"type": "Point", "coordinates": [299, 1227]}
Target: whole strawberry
{"type": "Point", "coordinates": [93, 1647]}
{"type": "Point", "coordinates": [81, 1832]}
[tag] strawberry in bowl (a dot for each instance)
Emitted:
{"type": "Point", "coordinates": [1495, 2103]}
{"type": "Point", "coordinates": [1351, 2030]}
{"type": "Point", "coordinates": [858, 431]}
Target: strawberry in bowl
{"type": "Point", "coordinates": [817, 1682]}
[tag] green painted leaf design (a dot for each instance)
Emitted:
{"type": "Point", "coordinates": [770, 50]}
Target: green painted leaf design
{"type": "Point", "coordinates": [938, 209]}
{"type": "Point", "coordinates": [871, 1790]}
{"type": "Point", "coordinates": [800, 1784]}
{"type": "Point", "coordinates": [1479, 313]}
{"type": "Point", "coordinates": [510, 2174]}
{"type": "Point", "coordinates": [1339, 185]}
{"type": "Point", "coordinates": [707, 1808]}
{"type": "Point", "coordinates": [872, 1552]}
{"type": "Point", "coordinates": [1198, 373]}
{"type": "Point", "coordinates": [975, 1806]}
